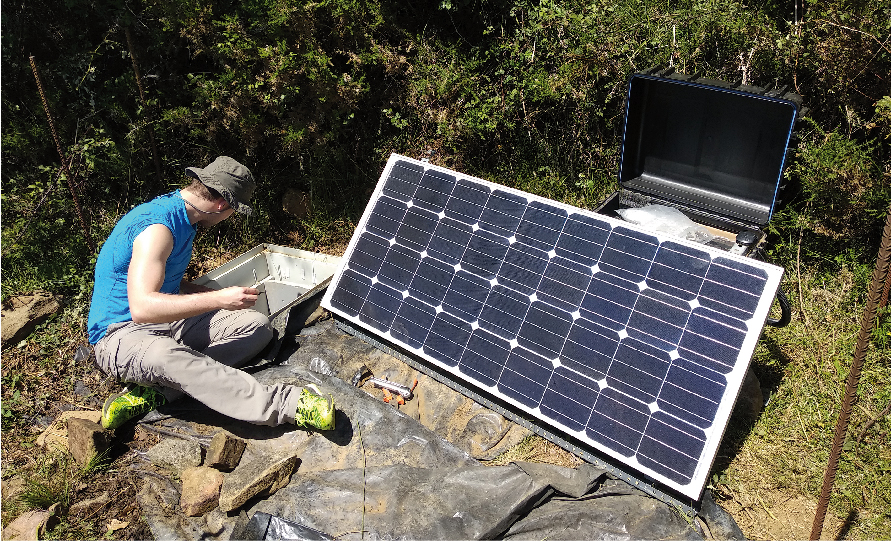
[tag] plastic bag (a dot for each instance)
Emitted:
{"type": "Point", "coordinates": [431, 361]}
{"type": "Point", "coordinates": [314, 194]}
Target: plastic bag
{"type": "Point", "coordinates": [664, 219]}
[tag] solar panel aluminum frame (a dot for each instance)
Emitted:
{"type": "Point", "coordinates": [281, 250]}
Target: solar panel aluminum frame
{"type": "Point", "coordinates": [692, 489]}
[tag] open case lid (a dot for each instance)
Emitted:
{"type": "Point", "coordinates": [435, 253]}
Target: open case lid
{"type": "Point", "coordinates": [716, 149]}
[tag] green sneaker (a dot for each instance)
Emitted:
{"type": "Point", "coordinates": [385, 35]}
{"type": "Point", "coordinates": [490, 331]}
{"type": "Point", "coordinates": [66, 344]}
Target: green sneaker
{"type": "Point", "coordinates": [121, 407]}
{"type": "Point", "coordinates": [314, 410]}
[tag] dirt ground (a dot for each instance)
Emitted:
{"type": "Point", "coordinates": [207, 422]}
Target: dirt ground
{"type": "Point", "coordinates": [27, 468]}
{"type": "Point", "coordinates": [774, 515]}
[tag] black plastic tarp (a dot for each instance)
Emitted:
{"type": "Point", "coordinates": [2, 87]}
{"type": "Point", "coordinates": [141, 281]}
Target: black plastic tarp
{"type": "Point", "coordinates": [384, 473]}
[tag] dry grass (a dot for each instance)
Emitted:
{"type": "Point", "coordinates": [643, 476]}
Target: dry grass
{"type": "Point", "coordinates": [775, 469]}
{"type": "Point", "coordinates": [537, 449]}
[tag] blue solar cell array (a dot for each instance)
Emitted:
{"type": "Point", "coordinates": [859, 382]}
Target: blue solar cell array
{"type": "Point", "coordinates": [623, 339]}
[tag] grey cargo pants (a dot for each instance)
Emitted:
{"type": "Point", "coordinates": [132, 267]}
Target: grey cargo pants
{"type": "Point", "coordinates": [198, 356]}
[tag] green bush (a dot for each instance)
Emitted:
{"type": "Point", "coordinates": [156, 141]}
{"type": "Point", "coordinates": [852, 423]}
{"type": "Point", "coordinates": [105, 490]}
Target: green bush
{"type": "Point", "coordinates": [315, 95]}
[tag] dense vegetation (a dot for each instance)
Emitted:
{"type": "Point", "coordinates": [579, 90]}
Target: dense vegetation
{"type": "Point", "coordinates": [314, 96]}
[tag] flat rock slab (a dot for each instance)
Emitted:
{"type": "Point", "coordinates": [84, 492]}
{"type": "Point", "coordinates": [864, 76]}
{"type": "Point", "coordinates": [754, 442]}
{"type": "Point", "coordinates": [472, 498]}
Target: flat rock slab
{"type": "Point", "coordinates": [256, 476]}
{"type": "Point", "coordinates": [175, 454]}
{"type": "Point", "coordinates": [201, 490]}
{"type": "Point", "coordinates": [22, 313]}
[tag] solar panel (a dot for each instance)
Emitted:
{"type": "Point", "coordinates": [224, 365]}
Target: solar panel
{"type": "Point", "coordinates": [629, 341]}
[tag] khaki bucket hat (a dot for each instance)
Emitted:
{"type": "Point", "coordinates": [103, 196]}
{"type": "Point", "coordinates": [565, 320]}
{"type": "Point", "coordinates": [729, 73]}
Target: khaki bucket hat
{"type": "Point", "coordinates": [233, 180]}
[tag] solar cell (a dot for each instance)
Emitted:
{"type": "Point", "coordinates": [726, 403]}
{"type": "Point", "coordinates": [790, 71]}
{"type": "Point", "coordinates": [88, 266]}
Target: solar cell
{"type": "Point", "coordinates": [625, 340]}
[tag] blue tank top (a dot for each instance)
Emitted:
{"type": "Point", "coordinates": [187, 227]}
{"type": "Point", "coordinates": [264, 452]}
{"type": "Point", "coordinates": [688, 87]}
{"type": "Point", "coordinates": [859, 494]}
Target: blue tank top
{"type": "Point", "coordinates": [110, 303]}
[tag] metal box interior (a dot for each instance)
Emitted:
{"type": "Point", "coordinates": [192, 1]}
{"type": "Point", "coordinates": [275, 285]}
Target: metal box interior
{"type": "Point", "coordinates": [714, 151]}
{"type": "Point", "coordinates": [286, 277]}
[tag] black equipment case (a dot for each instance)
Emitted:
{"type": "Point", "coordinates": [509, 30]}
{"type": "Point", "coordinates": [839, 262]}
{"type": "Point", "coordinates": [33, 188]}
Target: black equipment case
{"type": "Point", "coordinates": [716, 151]}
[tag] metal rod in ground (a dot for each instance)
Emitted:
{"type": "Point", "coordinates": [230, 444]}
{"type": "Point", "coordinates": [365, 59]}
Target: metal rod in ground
{"type": "Point", "coordinates": [150, 129]}
{"type": "Point", "coordinates": [68, 176]}
{"type": "Point", "coordinates": [879, 275]}
{"type": "Point", "coordinates": [883, 302]}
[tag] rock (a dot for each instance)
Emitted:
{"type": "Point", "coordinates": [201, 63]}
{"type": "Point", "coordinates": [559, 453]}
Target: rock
{"type": "Point", "coordinates": [88, 507]}
{"type": "Point", "coordinates": [297, 203]}
{"type": "Point", "coordinates": [720, 525]}
{"type": "Point", "coordinates": [201, 490]}
{"type": "Point", "coordinates": [256, 477]}
{"type": "Point", "coordinates": [21, 314]}
{"type": "Point", "coordinates": [87, 439]}
{"type": "Point", "coordinates": [115, 525]}
{"type": "Point", "coordinates": [318, 314]}
{"type": "Point", "coordinates": [225, 451]}
{"type": "Point", "coordinates": [81, 389]}
{"type": "Point", "coordinates": [56, 434]}
{"type": "Point", "coordinates": [12, 487]}
{"type": "Point", "coordinates": [175, 455]}
{"type": "Point", "coordinates": [32, 525]}
{"type": "Point", "coordinates": [320, 366]}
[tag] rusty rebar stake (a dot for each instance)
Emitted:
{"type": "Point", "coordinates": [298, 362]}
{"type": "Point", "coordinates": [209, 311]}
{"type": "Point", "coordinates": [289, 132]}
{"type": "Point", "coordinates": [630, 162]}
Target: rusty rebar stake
{"type": "Point", "coordinates": [68, 177]}
{"type": "Point", "coordinates": [883, 302]}
{"type": "Point", "coordinates": [150, 129]}
{"type": "Point", "coordinates": [879, 275]}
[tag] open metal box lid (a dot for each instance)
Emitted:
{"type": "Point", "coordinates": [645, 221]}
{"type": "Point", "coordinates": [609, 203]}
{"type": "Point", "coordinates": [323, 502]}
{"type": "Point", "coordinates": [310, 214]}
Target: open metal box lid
{"type": "Point", "coordinates": [707, 146]}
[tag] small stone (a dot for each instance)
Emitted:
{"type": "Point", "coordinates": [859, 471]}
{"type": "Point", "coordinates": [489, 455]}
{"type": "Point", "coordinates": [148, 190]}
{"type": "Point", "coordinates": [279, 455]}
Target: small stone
{"type": "Point", "coordinates": [256, 477]}
{"type": "Point", "coordinates": [32, 525]}
{"type": "Point", "coordinates": [87, 439]}
{"type": "Point", "coordinates": [201, 490]}
{"type": "Point", "coordinates": [318, 314]}
{"type": "Point", "coordinates": [88, 507]}
{"type": "Point", "coordinates": [23, 313]}
{"type": "Point", "coordinates": [12, 487]}
{"type": "Point", "coordinates": [175, 455]}
{"type": "Point", "coordinates": [115, 525]}
{"type": "Point", "coordinates": [225, 451]}
{"type": "Point", "coordinates": [81, 389]}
